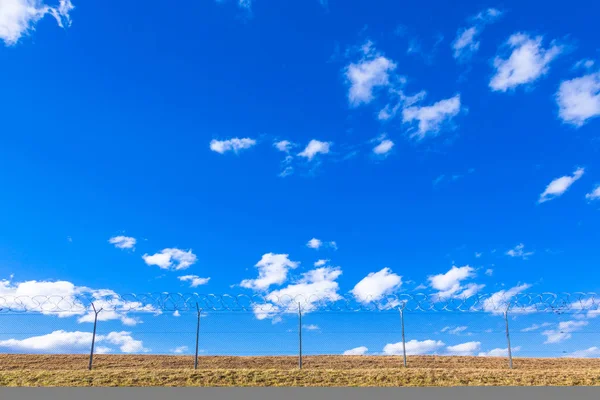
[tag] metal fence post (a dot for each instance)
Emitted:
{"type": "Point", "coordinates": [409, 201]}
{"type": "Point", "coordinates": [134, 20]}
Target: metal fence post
{"type": "Point", "coordinates": [299, 336]}
{"type": "Point", "coordinates": [197, 336]}
{"type": "Point", "coordinates": [403, 340]}
{"type": "Point", "coordinates": [96, 312]}
{"type": "Point", "coordinates": [510, 360]}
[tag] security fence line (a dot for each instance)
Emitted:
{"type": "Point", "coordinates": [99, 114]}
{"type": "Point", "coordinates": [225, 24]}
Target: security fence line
{"type": "Point", "coordinates": [494, 304]}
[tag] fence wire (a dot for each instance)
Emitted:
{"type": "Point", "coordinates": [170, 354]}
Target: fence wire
{"type": "Point", "coordinates": [190, 331]}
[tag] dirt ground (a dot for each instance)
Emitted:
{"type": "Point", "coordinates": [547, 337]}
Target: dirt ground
{"type": "Point", "coordinates": [152, 370]}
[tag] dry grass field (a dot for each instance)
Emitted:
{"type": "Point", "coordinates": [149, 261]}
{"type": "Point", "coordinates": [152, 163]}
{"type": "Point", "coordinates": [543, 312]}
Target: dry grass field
{"type": "Point", "coordinates": [145, 370]}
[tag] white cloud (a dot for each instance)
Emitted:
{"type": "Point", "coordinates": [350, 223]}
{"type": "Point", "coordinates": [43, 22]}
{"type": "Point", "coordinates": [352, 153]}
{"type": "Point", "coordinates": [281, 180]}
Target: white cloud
{"type": "Point", "coordinates": [194, 280]}
{"type": "Point", "coordinates": [564, 331]}
{"type": "Point", "coordinates": [127, 343]}
{"type": "Point", "coordinates": [560, 185]}
{"type": "Point", "coordinates": [333, 245]}
{"type": "Point", "coordinates": [311, 327]}
{"type": "Point", "coordinates": [449, 284]}
{"type": "Point", "coordinates": [284, 146]}
{"type": "Point", "coordinates": [499, 352]}
{"type": "Point", "coordinates": [579, 99]}
{"type": "Point", "coordinates": [122, 242]}
{"type": "Point", "coordinates": [172, 259]}
{"type": "Point", "coordinates": [357, 351]}
{"type": "Point", "coordinates": [376, 285]}
{"type": "Point", "coordinates": [413, 347]}
{"type": "Point", "coordinates": [315, 147]}
{"type": "Point", "coordinates": [585, 64]}
{"type": "Point", "coordinates": [73, 342]}
{"type": "Point", "coordinates": [526, 63]}
{"type": "Point", "coordinates": [404, 101]}
{"type": "Point", "coordinates": [384, 147]}
{"type": "Point", "coordinates": [432, 117]}
{"type": "Point", "coordinates": [535, 327]}
{"type": "Point", "coordinates": [519, 251]}
{"type": "Point", "coordinates": [466, 43]}
{"type": "Point", "coordinates": [320, 263]}
{"type": "Point", "coordinates": [489, 272]}
{"type": "Point", "coordinates": [180, 350]}
{"type": "Point", "coordinates": [233, 144]}
{"type": "Point", "coordinates": [457, 331]}
{"type": "Point", "coordinates": [371, 72]}
{"type": "Point", "coordinates": [314, 243]}
{"type": "Point", "coordinates": [592, 352]}
{"type": "Point", "coordinates": [19, 17]}
{"type": "Point", "coordinates": [594, 194]}
{"type": "Point", "coordinates": [64, 299]}
{"type": "Point", "coordinates": [272, 270]}
{"type": "Point", "coordinates": [176, 313]}
{"type": "Point", "coordinates": [464, 349]}
{"type": "Point", "coordinates": [498, 302]}
{"type": "Point", "coordinates": [315, 287]}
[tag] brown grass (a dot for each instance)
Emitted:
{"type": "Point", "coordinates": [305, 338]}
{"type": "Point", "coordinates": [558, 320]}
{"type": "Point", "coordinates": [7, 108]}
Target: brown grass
{"type": "Point", "coordinates": [145, 370]}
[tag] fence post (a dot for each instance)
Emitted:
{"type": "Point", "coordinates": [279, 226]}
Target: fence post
{"type": "Point", "coordinates": [299, 336]}
{"type": "Point", "coordinates": [96, 312]}
{"type": "Point", "coordinates": [510, 360]}
{"type": "Point", "coordinates": [403, 340]}
{"type": "Point", "coordinates": [197, 336]}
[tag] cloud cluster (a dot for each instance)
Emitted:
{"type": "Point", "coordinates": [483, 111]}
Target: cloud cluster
{"type": "Point", "coordinates": [233, 144]}
{"type": "Point", "coordinates": [194, 280]}
{"type": "Point", "coordinates": [376, 285]}
{"type": "Point", "coordinates": [122, 242]}
{"type": "Point", "coordinates": [19, 17]}
{"type": "Point", "coordinates": [272, 270]}
{"type": "Point", "coordinates": [171, 259]}
{"type": "Point", "coordinates": [63, 342]}
{"type": "Point", "coordinates": [527, 61]}
{"type": "Point", "coordinates": [449, 284]}
{"type": "Point", "coordinates": [579, 99]}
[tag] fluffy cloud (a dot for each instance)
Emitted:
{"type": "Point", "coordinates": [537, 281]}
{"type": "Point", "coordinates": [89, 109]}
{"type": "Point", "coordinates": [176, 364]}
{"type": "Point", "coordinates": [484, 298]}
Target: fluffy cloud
{"type": "Point", "coordinates": [432, 117]}
{"type": "Point", "coordinates": [594, 194]}
{"type": "Point", "coordinates": [272, 270]}
{"type": "Point", "coordinates": [357, 351]}
{"type": "Point", "coordinates": [413, 347]}
{"type": "Point", "coordinates": [73, 342]}
{"type": "Point", "coordinates": [376, 285]}
{"type": "Point", "coordinates": [519, 251]}
{"type": "Point", "coordinates": [526, 63]}
{"type": "Point", "coordinates": [64, 299]}
{"type": "Point", "coordinates": [180, 350]}
{"type": "Point", "coordinates": [579, 99]}
{"type": "Point", "coordinates": [284, 146]}
{"type": "Point", "coordinates": [320, 263]}
{"type": "Point", "coordinates": [314, 243]}
{"type": "Point", "coordinates": [313, 148]}
{"type": "Point", "coordinates": [560, 185]}
{"type": "Point", "coordinates": [564, 331]}
{"type": "Point", "coordinates": [315, 287]}
{"type": "Point", "coordinates": [466, 43]}
{"type": "Point", "coordinates": [449, 284]}
{"type": "Point", "coordinates": [499, 352]}
{"type": "Point", "coordinates": [371, 72]}
{"type": "Point", "coordinates": [122, 242]}
{"type": "Point", "coordinates": [498, 302]}
{"type": "Point", "coordinates": [592, 352]}
{"type": "Point", "coordinates": [234, 144]}
{"type": "Point", "coordinates": [464, 349]}
{"type": "Point", "coordinates": [18, 17]}
{"type": "Point", "coordinates": [384, 147]}
{"type": "Point", "coordinates": [172, 259]}
{"type": "Point", "coordinates": [194, 280]}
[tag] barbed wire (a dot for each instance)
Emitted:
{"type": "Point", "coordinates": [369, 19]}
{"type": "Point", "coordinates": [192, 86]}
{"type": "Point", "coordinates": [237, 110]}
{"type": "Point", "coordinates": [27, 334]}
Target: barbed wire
{"type": "Point", "coordinates": [267, 305]}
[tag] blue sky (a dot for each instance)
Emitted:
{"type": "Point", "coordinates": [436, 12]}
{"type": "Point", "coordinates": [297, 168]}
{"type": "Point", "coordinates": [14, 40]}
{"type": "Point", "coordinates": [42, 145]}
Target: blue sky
{"type": "Point", "coordinates": [448, 150]}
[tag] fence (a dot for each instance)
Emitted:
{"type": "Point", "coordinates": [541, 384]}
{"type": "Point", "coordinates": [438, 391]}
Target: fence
{"type": "Point", "coordinates": [415, 329]}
